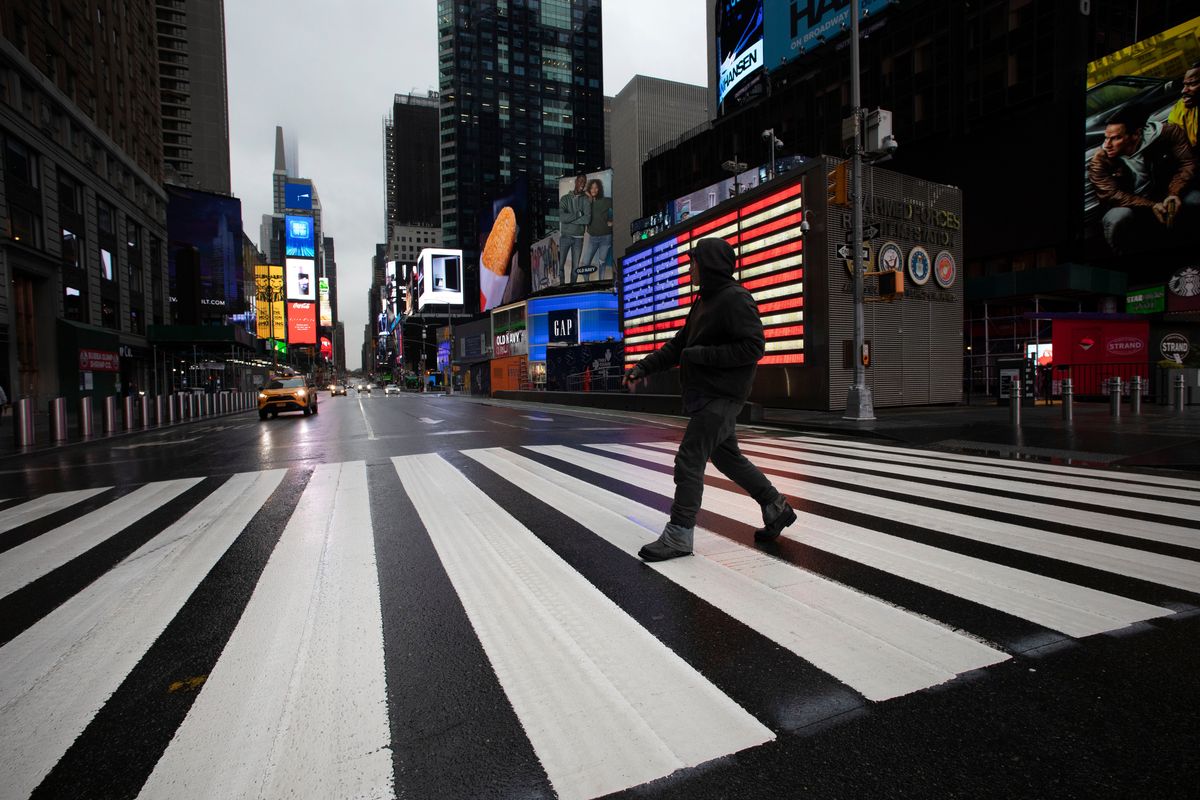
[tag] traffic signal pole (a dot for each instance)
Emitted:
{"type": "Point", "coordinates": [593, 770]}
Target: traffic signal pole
{"type": "Point", "coordinates": [859, 404]}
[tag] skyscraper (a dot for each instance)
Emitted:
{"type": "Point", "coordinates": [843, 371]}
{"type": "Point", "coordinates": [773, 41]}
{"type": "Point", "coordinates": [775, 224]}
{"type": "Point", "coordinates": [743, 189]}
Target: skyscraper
{"type": "Point", "coordinates": [521, 95]}
{"type": "Point", "coordinates": [194, 93]}
{"type": "Point", "coordinates": [410, 152]}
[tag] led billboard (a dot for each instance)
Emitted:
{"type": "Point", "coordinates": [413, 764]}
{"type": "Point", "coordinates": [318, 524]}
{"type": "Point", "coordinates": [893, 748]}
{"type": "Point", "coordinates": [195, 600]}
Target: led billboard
{"type": "Point", "coordinates": [326, 308]}
{"type": "Point", "coordinates": [205, 260]}
{"type": "Point", "coordinates": [795, 27]}
{"type": "Point", "coordinates": [297, 195]}
{"type": "Point", "coordinates": [739, 48]}
{"type": "Point", "coordinates": [299, 236]}
{"type": "Point", "coordinates": [301, 279]}
{"type": "Point", "coordinates": [302, 323]}
{"type": "Point", "coordinates": [504, 248]}
{"type": "Point", "coordinates": [1140, 149]}
{"type": "Point", "coordinates": [585, 214]}
{"type": "Point", "coordinates": [656, 290]}
{"type": "Point", "coordinates": [440, 278]}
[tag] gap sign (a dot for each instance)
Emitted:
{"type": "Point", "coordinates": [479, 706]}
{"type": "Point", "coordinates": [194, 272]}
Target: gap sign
{"type": "Point", "coordinates": [564, 326]}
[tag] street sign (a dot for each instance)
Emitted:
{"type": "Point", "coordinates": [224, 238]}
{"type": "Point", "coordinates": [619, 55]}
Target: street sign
{"type": "Point", "coordinates": [847, 252]}
{"type": "Point", "coordinates": [869, 233]}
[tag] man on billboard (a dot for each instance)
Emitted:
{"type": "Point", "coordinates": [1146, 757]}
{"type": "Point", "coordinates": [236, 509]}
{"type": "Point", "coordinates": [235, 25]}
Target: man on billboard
{"type": "Point", "coordinates": [1143, 174]}
{"type": "Point", "coordinates": [1186, 112]}
{"type": "Point", "coordinates": [574, 214]}
{"type": "Point", "coordinates": [717, 351]}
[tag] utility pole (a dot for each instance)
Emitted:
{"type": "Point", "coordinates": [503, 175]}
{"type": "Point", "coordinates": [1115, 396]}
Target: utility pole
{"type": "Point", "coordinates": [859, 405]}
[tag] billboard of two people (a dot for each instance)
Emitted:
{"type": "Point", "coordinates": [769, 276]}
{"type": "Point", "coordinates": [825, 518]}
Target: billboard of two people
{"type": "Point", "coordinates": [1142, 191]}
{"type": "Point", "coordinates": [585, 219]}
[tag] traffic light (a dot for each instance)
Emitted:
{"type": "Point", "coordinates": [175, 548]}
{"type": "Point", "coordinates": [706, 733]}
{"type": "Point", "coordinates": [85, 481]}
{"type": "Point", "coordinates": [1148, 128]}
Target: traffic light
{"type": "Point", "coordinates": [891, 284]}
{"type": "Point", "coordinates": [837, 187]}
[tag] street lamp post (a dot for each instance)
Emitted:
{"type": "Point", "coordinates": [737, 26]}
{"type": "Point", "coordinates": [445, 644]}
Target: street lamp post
{"type": "Point", "coordinates": [859, 405]}
{"type": "Point", "coordinates": [737, 168]}
{"type": "Point", "coordinates": [769, 135]}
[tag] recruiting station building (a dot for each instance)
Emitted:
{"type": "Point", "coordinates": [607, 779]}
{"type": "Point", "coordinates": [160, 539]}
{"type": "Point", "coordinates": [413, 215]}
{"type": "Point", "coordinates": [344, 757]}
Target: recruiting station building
{"type": "Point", "coordinates": [803, 284]}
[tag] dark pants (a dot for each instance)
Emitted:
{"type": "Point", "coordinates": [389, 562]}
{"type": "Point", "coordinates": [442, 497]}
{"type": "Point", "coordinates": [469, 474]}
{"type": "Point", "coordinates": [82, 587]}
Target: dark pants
{"type": "Point", "coordinates": [712, 434]}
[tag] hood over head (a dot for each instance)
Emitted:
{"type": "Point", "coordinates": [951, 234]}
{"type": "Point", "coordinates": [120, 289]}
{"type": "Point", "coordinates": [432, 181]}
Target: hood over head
{"type": "Point", "coordinates": [715, 259]}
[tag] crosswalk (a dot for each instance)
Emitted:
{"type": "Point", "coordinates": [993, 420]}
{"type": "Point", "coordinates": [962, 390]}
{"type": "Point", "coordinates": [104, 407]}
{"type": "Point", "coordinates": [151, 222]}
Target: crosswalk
{"type": "Point", "coordinates": [343, 630]}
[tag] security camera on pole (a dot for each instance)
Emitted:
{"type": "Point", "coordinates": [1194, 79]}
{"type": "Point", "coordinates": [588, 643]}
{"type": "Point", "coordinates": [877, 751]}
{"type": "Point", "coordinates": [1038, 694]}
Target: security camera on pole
{"type": "Point", "coordinates": [859, 404]}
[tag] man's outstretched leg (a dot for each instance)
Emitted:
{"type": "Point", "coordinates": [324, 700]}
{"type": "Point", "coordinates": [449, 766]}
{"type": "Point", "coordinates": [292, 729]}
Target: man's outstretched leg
{"type": "Point", "coordinates": [776, 513]}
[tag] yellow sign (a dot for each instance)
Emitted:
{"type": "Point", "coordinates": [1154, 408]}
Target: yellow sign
{"type": "Point", "coordinates": [278, 307]}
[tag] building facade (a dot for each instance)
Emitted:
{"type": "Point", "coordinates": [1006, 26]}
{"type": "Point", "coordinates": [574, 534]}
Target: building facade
{"type": "Point", "coordinates": [646, 114]}
{"type": "Point", "coordinates": [521, 97]}
{"type": "Point", "coordinates": [194, 93]}
{"type": "Point", "coordinates": [82, 208]}
{"type": "Point", "coordinates": [411, 161]}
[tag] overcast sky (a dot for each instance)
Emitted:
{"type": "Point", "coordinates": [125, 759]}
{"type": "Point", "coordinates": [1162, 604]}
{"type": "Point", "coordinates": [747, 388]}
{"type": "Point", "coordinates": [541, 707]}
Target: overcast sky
{"type": "Point", "coordinates": [327, 72]}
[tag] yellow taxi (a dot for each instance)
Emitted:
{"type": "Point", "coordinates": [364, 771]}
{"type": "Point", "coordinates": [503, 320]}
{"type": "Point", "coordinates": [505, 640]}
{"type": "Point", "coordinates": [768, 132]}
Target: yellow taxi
{"type": "Point", "coordinates": [289, 393]}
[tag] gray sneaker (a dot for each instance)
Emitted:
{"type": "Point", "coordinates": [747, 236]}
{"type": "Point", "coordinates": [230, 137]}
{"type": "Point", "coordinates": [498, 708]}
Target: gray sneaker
{"type": "Point", "coordinates": [674, 542]}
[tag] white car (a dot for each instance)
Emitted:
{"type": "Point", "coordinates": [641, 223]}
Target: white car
{"type": "Point", "coordinates": [391, 388]}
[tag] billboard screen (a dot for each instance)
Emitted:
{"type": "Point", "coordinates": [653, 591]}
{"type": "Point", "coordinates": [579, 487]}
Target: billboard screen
{"type": "Point", "coordinates": [504, 248]}
{"type": "Point", "coordinates": [793, 29]}
{"type": "Point", "coordinates": [302, 323]}
{"type": "Point", "coordinates": [301, 279]}
{"type": "Point", "coordinates": [585, 214]}
{"type": "Point", "coordinates": [739, 47]}
{"type": "Point", "coordinates": [656, 291]}
{"type": "Point", "coordinates": [206, 229]}
{"type": "Point", "coordinates": [326, 309]}
{"type": "Point", "coordinates": [1140, 146]}
{"type": "Point", "coordinates": [441, 281]}
{"type": "Point", "coordinates": [297, 195]}
{"type": "Point", "coordinates": [299, 236]}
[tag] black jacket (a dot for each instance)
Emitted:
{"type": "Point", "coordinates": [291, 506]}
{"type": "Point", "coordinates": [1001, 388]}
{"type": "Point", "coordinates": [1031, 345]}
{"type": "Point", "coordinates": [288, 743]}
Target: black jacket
{"type": "Point", "coordinates": [719, 346]}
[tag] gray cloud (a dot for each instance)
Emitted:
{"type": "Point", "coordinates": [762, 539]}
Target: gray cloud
{"type": "Point", "coordinates": [327, 74]}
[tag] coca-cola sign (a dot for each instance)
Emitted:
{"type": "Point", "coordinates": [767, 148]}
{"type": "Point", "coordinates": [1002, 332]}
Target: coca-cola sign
{"type": "Point", "coordinates": [1125, 346]}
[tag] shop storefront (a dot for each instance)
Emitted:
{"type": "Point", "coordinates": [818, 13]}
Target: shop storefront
{"type": "Point", "coordinates": [510, 367]}
{"type": "Point", "coordinates": [575, 342]}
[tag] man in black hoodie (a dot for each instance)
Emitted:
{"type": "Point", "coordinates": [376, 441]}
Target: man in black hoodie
{"type": "Point", "coordinates": [717, 351]}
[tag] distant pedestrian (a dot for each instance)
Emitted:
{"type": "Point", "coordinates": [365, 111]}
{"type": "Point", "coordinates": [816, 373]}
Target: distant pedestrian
{"type": "Point", "coordinates": [717, 351]}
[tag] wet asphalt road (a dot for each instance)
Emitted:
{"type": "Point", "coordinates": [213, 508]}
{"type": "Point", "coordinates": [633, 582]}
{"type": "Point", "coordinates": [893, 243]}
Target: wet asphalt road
{"type": "Point", "coordinates": [1053, 713]}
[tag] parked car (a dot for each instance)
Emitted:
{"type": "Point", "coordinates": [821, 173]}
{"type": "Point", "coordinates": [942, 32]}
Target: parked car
{"type": "Point", "coordinates": [287, 394]}
{"type": "Point", "coordinates": [391, 388]}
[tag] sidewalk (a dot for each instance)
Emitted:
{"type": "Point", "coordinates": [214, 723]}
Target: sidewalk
{"type": "Point", "coordinates": [1157, 437]}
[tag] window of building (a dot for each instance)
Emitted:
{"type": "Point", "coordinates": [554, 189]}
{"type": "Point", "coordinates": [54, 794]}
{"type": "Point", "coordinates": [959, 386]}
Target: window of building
{"type": "Point", "coordinates": [20, 163]}
{"type": "Point", "coordinates": [107, 268]}
{"type": "Point", "coordinates": [72, 250]}
{"type": "Point", "coordinates": [108, 314]}
{"type": "Point", "coordinates": [73, 302]}
{"type": "Point", "coordinates": [106, 218]}
{"type": "Point", "coordinates": [26, 226]}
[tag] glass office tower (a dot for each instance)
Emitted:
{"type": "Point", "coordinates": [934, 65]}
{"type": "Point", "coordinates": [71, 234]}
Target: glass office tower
{"type": "Point", "coordinates": [521, 95]}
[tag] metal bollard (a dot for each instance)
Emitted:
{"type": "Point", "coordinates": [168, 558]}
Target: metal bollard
{"type": "Point", "coordinates": [87, 420]}
{"type": "Point", "coordinates": [110, 414]}
{"type": "Point", "coordinates": [145, 410]}
{"type": "Point", "coordinates": [1114, 396]}
{"type": "Point", "coordinates": [1135, 394]}
{"type": "Point", "coordinates": [58, 419]}
{"type": "Point", "coordinates": [1014, 404]}
{"type": "Point", "coordinates": [1180, 393]}
{"type": "Point", "coordinates": [1068, 400]}
{"type": "Point", "coordinates": [159, 409]}
{"type": "Point", "coordinates": [130, 413]}
{"type": "Point", "coordinates": [23, 431]}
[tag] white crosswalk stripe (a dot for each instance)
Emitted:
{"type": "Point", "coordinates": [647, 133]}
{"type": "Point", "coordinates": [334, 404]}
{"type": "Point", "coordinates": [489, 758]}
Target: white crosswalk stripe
{"type": "Point", "coordinates": [299, 700]}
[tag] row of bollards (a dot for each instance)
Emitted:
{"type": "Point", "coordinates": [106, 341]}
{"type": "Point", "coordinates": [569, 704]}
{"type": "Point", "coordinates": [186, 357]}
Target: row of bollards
{"type": "Point", "coordinates": [134, 413]}
{"type": "Point", "coordinates": [1115, 391]}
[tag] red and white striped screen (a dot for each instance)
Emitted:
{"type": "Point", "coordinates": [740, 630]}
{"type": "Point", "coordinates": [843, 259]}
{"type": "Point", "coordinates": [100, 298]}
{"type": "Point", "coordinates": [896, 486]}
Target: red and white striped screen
{"type": "Point", "coordinates": [657, 291]}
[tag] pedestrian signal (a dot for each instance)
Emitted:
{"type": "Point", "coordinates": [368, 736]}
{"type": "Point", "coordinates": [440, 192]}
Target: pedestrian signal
{"type": "Point", "coordinates": [837, 191]}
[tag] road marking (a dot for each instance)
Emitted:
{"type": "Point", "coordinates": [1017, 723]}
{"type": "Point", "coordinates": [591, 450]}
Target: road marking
{"type": "Point", "coordinates": [429, 421]}
{"type": "Point", "coordinates": [44, 506]}
{"type": "Point", "coordinates": [160, 444]}
{"type": "Point", "coordinates": [61, 671]}
{"type": "Point", "coordinates": [450, 433]}
{"type": "Point", "coordinates": [363, 411]}
{"type": "Point", "coordinates": [606, 706]}
{"type": "Point", "coordinates": [296, 705]}
{"type": "Point", "coordinates": [877, 649]}
{"type": "Point", "coordinates": [1074, 610]}
{"type": "Point", "coordinates": [31, 560]}
{"type": "Point", "coordinates": [537, 418]}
